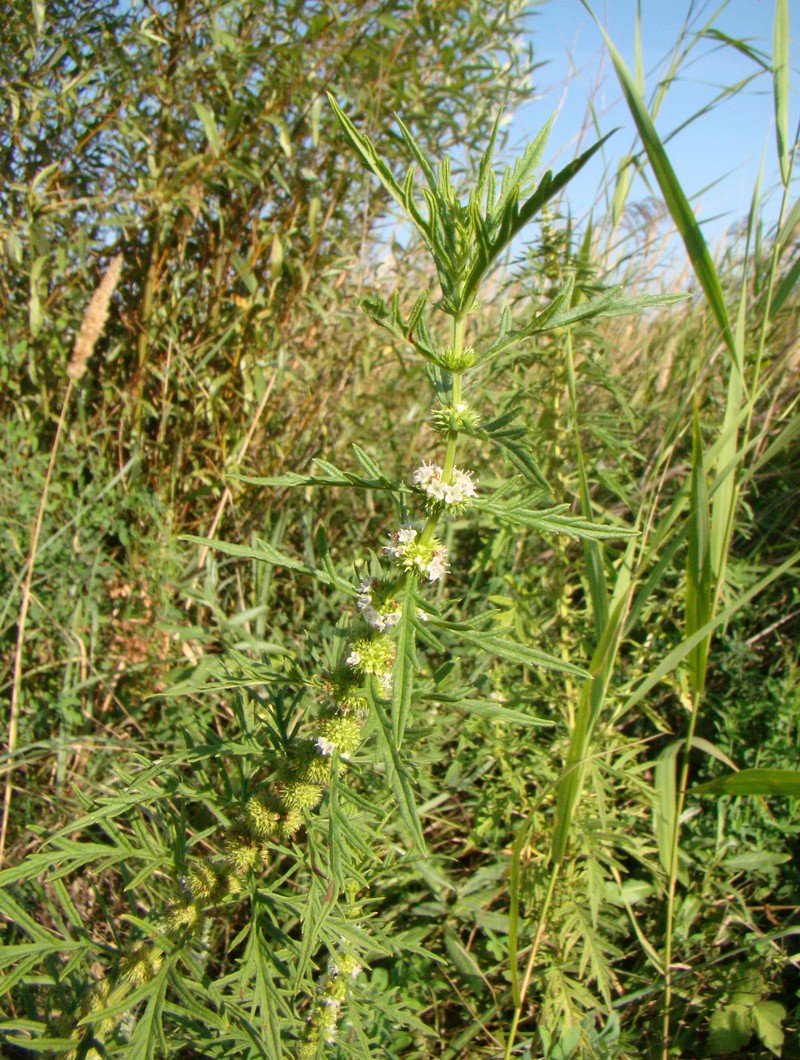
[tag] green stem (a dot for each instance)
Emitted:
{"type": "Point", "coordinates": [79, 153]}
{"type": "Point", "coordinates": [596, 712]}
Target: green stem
{"type": "Point", "coordinates": [683, 786]}
{"type": "Point", "coordinates": [452, 436]}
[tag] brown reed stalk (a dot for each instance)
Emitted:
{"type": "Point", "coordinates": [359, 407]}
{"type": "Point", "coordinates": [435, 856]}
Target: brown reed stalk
{"type": "Point", "coordinates": [94, 320]}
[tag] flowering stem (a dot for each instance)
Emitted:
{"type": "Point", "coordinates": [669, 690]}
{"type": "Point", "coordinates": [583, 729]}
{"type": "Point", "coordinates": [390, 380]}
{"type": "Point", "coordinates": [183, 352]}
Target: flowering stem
{"type": "Point", "coordinates": [427, 533]}
{"type": "Point", "coordinates": [452, 435]}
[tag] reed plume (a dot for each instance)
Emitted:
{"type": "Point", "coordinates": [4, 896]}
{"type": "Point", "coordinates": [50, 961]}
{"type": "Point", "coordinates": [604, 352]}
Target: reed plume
{"type": "Point", "coordinates": [94, 320]}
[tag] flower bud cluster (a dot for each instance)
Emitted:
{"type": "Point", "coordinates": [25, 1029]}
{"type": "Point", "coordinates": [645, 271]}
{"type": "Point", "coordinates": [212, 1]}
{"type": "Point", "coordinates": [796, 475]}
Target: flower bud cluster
{"type": "Point", "coordinates": [379, 609]}
{"type": "Point", "coordinates": [411, 555]}
{"type": "Point", "coordinates": [458, 417]}
{"type": "Point", "coordinates": [372, 657]}
{"type": "Point", "coordinates": [141, 963]}
{"type": "Point", "coordinates": [332, 993]}
{"type": "Point", "coordinates": [457, 360]}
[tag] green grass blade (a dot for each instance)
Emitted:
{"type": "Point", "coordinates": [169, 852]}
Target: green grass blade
{"type": "Point", "coordinates": [784, 782]}
{"type": "Point", "coordinates": [780, 85]}
{"type": "Point", "coordinates": [676, 200]}
{"type": "Point", "coordinates": [699, 582]}
{"type": "Point", "coordinates": [665, 787]}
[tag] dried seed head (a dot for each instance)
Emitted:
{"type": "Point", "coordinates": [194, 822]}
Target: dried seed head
{"type": "Point", "coordinates": [94, 320]}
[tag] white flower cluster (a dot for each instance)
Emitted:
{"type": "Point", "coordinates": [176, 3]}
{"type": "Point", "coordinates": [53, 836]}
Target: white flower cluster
{"type": "Point", "coordinates": [413, 555]}
{"type": "Point", "coordinates": [382, 617]}
{"type": "Point", "coordinates": [458, 491]}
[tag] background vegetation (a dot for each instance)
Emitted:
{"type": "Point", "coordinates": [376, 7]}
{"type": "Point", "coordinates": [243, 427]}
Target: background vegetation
{"type": "Point", "coordinates": [571, 898]}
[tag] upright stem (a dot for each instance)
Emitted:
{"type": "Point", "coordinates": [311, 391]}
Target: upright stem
{"type": "Point", "coordinates": [16, 681]}
{"type": "Point", "coordinates": [683, 786]}
{"type": "Point", "coordinates": [452, 435]}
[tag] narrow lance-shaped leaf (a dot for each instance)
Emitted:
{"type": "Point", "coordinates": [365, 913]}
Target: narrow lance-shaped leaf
{"type": "Point", "coordinates": [405, 665]}
{"type": "Point", "coordinates": [268, 554]}
{"type": "Point", "coordinates": [503, 648]}
{"type": "Point", "coordinates": [665, 787]}
{"type": "Point", "coordinates": [699, 587]}
{"type": "Point", "coordinates": [784, 782]}
{"type": "Point", "coordinates": [590, 702]}
{"type": "Point", "coordinates": [780, 83]}
{"type": "Point", "coordinates": [598, 586]}
{"type": "Point", "coordinates": [674, 196]}
{"type": "Point", "coordinates": [396, 771]}
{"type": "Point", "coordinates": [514, 219]}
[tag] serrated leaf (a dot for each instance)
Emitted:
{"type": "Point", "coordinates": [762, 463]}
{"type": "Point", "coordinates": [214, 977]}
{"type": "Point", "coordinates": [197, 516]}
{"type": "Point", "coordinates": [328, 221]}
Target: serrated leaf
{"type": "Point", "coordinates": [267, 553]}
{"type": "Point", "coordinates": [396, 772]}
{"type": "Point", "coordinates": [486, 708]}
{"type": "Point", "coordinates": [503, 648]}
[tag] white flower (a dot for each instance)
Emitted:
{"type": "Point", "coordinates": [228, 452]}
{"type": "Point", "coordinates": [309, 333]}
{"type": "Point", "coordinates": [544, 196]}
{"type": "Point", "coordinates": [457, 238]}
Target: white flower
{"type": "Point", "coordinates": [326, 747]}
{"type": "Point", "coordinates": [425, 474]}
{"type": "Point", "coordinates": [400, 540]}
{"type": "Point", "coordinates": [436, 566]}
{"type": "Point", "coordinates": [353, 659]}
{"type": "Point", "coordinates": [458, 490]}
{"type": "Point", "coordinates": [429, 559]}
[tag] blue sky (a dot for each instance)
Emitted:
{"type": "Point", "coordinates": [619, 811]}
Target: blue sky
{"type": "Point", "coordinates": [729, 143]}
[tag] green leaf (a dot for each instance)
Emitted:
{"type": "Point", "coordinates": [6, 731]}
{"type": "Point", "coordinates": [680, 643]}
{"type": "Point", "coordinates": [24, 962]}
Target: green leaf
{"type": "Point", "coordinates": [503, 648]}
{"type": "Point", "coordinates": [464, 962]}
{"type": "Point", "coordinates": [209, 124]}
{"type": "Point", "coordinates": [665, 806]}
{"type": "Point", "coordinates": [784, 782]}
{"type": "Point", "coordinates": [487, 708]}
{"type": "Point", "coordinates": [780, 84]}
{"type": "Point", "coordinates": [553, 521]}
{"type": "Point", "coordinates": [405, 665]}
{"type": "Point", "coordinates": [699, 581]}
{"type": "Point", "coordinates": [514, 218]}
{"type": "Point", "coordinates": [396, 772]}
{"type": "Point", "coordinates": [677, 655]}
{"type": "Point", "coordinates": [674, 196]}
{"type": "Point", "coordinates": [148, 1038]}
{"type": "Point", "coordinates": [730, 1029]}
{"type": "Point", "coordinates": [768, 1017]}
{"type": "Point", "coordinates": [786, 285]}
{"type": "Point", "coordinates": [266, 553]}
